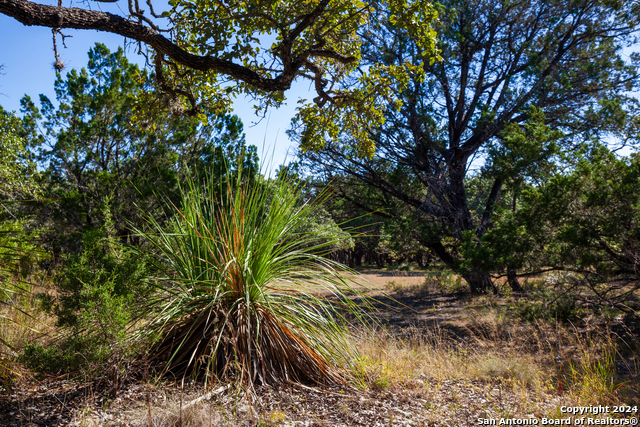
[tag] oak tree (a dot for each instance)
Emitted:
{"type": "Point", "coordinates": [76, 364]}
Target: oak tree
{"type": "Point", "coordinates": [505, 64]}
{"type": "Point", "coordinates": [206, 52]}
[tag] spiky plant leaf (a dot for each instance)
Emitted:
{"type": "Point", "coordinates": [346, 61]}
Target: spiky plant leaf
{"type": "Point", "coordinates": [247, 292]}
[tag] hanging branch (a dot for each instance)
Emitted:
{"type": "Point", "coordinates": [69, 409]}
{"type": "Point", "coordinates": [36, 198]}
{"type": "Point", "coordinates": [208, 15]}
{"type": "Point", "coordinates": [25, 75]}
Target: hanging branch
{"type": "Point", "coordinates": [145, 31]}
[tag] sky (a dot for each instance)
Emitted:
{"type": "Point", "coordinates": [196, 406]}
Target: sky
{"type": "Point", "coordinates": [26, 53]}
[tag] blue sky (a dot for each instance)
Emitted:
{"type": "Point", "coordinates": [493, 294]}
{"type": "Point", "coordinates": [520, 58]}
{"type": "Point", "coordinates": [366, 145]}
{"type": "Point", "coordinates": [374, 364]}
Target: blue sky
{"type": "Point", "coordinates": [27, 56]}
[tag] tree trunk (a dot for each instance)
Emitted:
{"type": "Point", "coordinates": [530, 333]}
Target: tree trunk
{"type": "Point", "coordinates": [358, 258]}
{"type": "Point", "coordinates": [479, 282]}
{"type": "Point", "coordinates": [488, 210]}
{"type": "Point", "coordinates": [379, 260]}
{"type": "Point", "coordinates": [351, 259]}
{"type": "Point", "coordinates": [512, 279]}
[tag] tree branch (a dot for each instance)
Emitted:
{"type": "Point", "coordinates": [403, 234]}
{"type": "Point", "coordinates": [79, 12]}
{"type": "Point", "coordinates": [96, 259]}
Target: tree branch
{"type": "Point", "coordinates": [488, 210]}
{"type": "Point", "coordinates": [34, 14]}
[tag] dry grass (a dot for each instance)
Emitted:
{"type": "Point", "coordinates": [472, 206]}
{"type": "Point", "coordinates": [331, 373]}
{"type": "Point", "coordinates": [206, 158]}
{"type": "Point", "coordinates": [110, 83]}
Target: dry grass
{"type": "Point", "coordinates": [20, 322]}
{"type": "Point", "coordinates": [438, 360]}
{"type": "Point", "coordinates": [487, 346]}
{"type": "Point", "coordinates": [435, 356]}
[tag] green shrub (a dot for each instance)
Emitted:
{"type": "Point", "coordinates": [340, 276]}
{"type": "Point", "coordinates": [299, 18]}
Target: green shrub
{"type": "Point", "coordinates": [44, 359]}
{"type": "Point", "coordinates": [443, 281]}
{"type": "Point", "coordinates": [549, 304]}
{"type": "Point", "coordinates": [96, 295]}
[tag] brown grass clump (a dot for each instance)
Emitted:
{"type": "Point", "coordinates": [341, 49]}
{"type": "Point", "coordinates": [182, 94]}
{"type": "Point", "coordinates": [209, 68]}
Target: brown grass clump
{"type": "Point", "coordinates": [20, 322]}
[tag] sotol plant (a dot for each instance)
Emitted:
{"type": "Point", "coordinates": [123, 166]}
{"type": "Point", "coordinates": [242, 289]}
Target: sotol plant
{"type": "Point", "coordinates": [246, 293]}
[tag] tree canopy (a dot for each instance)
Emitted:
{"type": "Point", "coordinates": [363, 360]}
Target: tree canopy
{"type": "Point", "coordinates": [519, 80]}
{"type": "Point", "coordinates": [584, 220]}
{"type": "Point", "coordinates": [109, 145]}
{"type": "Point", "coordinates": [16, 164]}
{"type": "Point", "coordinates": [206, 52]}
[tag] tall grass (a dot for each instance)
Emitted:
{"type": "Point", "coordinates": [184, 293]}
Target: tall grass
{"type": "Point", "coordinates": [247, 293]}
{"type": "Point", "coordinates": [17, 257]}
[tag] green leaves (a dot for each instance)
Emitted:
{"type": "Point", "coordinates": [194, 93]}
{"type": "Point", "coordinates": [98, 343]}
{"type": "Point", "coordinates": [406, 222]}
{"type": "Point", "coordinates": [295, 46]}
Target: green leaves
{"type": "Point", "coordinates": [527, 152]}
{"type": "Point", "coordinates": [270, 37]}
{"type": "Point", "coordinates": [351, 116]}
{"type": "Point", "coordinates": [17, 166]}
{"type": "Point", "coordinates": [97, 292]}
{"type": "Point", "coordinates": [321, 38]}
{"type": "Point", "coordinates": [411, 16]}
{"type": "Point", "coordinates": [586, 220]}
{"type": "Point", "coordinates": [113, 135]}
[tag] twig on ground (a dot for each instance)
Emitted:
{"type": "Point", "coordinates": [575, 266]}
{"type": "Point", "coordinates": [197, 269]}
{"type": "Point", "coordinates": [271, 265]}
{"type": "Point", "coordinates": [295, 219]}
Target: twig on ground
{"type": "Point", "coordinates": [207, 396]}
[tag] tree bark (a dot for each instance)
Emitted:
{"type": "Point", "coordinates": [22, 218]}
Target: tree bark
{"type": "Point", "coordinates": [488, 210]}
{"type": "Point", "coordinates": [512, 280]}
{"type": "Point", "coordinates": [479, 282]}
